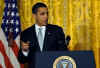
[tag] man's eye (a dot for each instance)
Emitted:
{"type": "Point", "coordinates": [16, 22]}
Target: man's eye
{"type": "Point", "coordinates": [42, 13]}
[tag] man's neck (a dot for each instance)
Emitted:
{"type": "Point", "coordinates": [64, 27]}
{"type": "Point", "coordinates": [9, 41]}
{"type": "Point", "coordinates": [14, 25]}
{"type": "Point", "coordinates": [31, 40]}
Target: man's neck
{"type": "Point", "coordinates": [41, 25]}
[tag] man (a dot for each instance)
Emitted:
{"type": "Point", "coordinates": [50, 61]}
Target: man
{"type": "Point", "coordinates": [41, 36]}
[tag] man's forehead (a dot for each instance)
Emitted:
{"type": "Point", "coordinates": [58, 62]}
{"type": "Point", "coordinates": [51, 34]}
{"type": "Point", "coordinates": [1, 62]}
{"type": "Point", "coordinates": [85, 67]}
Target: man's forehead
{"type": "Point", "coordinates": [43, 9]}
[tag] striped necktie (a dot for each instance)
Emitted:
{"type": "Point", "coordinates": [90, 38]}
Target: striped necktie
{"type": "Point", "coordinates": [40, 38]}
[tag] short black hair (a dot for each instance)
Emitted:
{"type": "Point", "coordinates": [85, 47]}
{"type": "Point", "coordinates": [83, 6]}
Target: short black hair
{"type": "Point", "coordinates": [36, 6]}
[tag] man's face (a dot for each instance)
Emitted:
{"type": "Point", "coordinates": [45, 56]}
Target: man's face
{"type": "Point", "coordinates": [41, 16]}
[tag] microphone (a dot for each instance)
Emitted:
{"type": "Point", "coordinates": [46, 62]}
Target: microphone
{"type": "Point", "coordinates": [67, 40]}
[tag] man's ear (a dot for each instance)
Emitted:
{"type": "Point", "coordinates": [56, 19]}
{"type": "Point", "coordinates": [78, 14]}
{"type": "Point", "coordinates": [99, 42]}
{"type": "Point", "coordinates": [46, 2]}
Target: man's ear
{"type": "Point", "coordinates": [34, 15]}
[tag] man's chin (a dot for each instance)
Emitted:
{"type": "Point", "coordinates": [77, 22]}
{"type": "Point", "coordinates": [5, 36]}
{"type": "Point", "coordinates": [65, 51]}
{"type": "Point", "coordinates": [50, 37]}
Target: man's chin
{"type": "Point", "coordinates": [44, 24]}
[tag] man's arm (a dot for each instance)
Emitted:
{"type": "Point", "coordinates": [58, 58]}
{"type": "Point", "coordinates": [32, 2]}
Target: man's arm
{"type": "Point", "coordinates": [61, 40]}
{"type": "Point", "coordinates": [22, 58]}
{"type": "Point", "coordinates": [24, 49]}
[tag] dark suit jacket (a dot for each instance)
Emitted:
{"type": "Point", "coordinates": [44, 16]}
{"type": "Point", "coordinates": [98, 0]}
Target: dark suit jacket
{"type": "Point", "coordinates": [54, 41]}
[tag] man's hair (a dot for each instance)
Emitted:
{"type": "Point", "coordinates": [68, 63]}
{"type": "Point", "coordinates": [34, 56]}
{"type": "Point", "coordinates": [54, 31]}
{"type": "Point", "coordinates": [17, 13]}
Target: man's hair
{"type": "Point", "coordinates": [36, 6]}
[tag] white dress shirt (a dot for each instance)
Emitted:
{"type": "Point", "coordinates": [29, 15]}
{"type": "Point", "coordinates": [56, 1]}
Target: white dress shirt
{"type": "Point", "coordinates": [37, 30]}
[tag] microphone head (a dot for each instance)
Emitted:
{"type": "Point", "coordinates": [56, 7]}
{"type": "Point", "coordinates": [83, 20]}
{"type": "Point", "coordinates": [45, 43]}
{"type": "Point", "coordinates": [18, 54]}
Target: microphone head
{"type": "Point", "coordinates": [68, 40]}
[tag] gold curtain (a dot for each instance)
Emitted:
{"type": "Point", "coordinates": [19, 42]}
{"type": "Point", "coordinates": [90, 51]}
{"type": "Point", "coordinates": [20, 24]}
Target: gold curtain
{"type": "Point", "coordinates": [1, 10]}
{"type": "Point", "coordinates": [78, 18]}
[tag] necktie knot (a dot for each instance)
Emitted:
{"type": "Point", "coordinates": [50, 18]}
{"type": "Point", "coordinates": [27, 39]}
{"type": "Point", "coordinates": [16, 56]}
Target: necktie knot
{"type": "Point", "coordinates": [40, 29]}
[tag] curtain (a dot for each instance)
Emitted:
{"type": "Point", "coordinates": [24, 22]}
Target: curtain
{"type": "Point", "coordinates": [79, 18]}
{"type": "Point", "coordinates": [1, 10]}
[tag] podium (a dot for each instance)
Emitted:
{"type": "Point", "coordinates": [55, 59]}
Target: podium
{"type": "Point", "coordinates": [83, 59]}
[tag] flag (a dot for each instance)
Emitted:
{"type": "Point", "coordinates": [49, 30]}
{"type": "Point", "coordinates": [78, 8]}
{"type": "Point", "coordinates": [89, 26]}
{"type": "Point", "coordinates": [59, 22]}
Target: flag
{"type": "Point", "coordinates": [10, 36]}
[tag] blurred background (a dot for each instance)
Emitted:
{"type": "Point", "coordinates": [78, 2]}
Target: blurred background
{"type": "Point", "coordinates": [80, 19]}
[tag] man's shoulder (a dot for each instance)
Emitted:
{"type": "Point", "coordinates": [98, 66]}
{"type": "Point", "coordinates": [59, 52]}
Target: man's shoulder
{"type": "Point", "coordinates": [28, 29]}
{"type": "Point", "coordinates": [54, 26]}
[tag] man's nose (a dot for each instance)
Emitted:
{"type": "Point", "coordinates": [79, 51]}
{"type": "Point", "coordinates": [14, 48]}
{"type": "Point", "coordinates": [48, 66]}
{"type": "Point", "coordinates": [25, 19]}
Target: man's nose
{"type": "Point", "coordinates": [45, 16]}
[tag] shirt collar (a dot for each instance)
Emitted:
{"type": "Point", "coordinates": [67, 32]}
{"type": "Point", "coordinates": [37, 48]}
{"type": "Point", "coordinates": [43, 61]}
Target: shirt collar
{"type": "Point", "coordinates": [37, 26]}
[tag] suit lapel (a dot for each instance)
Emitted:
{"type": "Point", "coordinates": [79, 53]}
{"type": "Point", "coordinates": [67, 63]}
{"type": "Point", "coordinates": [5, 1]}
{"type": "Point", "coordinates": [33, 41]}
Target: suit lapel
{"type": "Point", "coordinates": [35, 39]}
{"type": "Point", "coordinates": [45, 39]}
